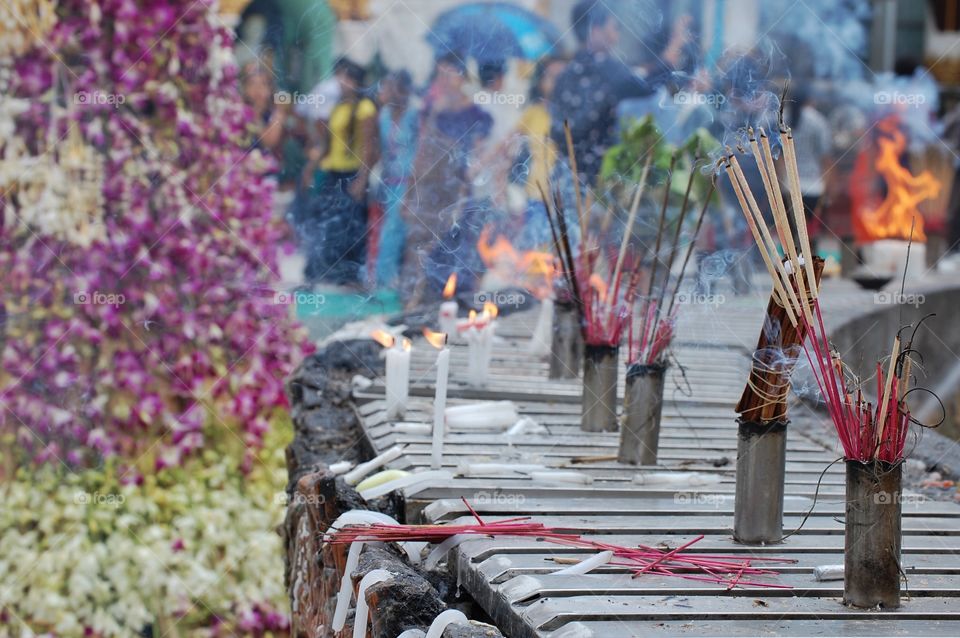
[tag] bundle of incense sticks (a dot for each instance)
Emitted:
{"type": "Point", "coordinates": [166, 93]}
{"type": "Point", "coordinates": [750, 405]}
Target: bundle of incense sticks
{"type": "Point", "coordinates": [604, 302]}
{"type": "Point", "coordinates": [723, 569]}
{"type": "Point", "coordinates": [649, 343]}
{"type": "Point", "coordinates": [866, 432]}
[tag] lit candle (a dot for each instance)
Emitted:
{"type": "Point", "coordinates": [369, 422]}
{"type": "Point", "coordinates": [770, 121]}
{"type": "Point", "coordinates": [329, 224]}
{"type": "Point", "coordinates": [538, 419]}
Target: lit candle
{"type": "Point", "coordinates": [478, 333]}
{"type": "Point", "coordinates": [438, 340]}
{"type": "Point", "coordinates": [398, 378]}
{"type": "Point", "coordinates": [397, 372]}
{"type": "Point", "coordinates": [448, 309]}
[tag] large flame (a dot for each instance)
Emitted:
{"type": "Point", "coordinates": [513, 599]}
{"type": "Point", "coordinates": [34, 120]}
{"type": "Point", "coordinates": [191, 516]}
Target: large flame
{"type": "Point", "coordinates": [893, 217]}
{"type": "Point", "coordinates": [529, 269]}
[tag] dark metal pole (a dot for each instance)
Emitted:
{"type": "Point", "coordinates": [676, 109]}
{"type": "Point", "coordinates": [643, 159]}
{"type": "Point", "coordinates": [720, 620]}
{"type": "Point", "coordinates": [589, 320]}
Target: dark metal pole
{"type": "Point", "coordinates": [871, 566]}
{"type": "Point", "coordinates": [566, 350]}
{"type": "Point", "coordinates": [599, 389]}
{"type": "Point", "coordinates": [761, 466]}
{"type": "Point", "coordinates": [642, 406]}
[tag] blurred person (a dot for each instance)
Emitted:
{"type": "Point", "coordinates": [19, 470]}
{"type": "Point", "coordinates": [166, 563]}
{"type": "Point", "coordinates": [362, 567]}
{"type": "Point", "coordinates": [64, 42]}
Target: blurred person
{"type": "Point", "coordinates": [398, 124]}
{"type": "Point", "coordinates": [438, 210]}
{"type": "Point", "coordinates": [813, 142]}
{"type": "Point", "coordinates": [534, 153]}
{"type": "Point", "coordinates": [258, 92]}
{"type": "Point", "coordinates": [596, 81]}
{"type": "Point", "coordinates": [338, 171]}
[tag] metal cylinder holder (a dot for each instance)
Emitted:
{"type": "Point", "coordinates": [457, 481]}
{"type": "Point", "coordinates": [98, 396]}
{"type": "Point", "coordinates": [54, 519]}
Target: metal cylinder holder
{"type": "Point", "coordinates": [871, 565]}
{"type": "Point", "coordinates": [761, 467]}
{"type": "Point", "coordinates": [599, 389]}
{"type": "Point", "coordinates": [642, 405]}
{"type": "Point", "coordinates": [566, 350]}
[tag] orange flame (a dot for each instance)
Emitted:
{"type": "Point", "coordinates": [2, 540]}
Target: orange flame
{"type": "Point", "coordinates": [894, 216]}
{"type": "Point", "coordinates": [490, 310]}
{"type": "Point", "coordinates": [531, 269]}
{"type": "Point", "coordinates": [406, 345]}
{"type": "Point", "coordinates": [450, 287]}
{"type": "Point", "coordinates": [383, 337]}
{"type": "Point", "coordinates": [597, 282]}
{"type": "Point", "coordinates": [435, 339]}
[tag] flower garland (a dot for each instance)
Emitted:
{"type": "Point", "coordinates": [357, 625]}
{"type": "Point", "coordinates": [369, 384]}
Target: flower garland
{"type": "Point", "coordinates": [138, 243]}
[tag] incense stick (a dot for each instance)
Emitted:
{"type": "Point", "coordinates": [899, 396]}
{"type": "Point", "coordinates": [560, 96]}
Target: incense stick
{"type": "Point", "coordinates": [628, 229]}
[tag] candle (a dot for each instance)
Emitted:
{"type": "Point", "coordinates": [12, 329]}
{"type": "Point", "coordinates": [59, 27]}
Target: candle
{"type": "Point", "coordinates": [438, 340]}
{"type": "Point", "coordinates": [448, 309]}
{"type": "Point", "coordinates": [398, 378]}
{"type": "Point", "coordinates": [542, 339]}
{"type": "Point", "coordinates": [479, 332]}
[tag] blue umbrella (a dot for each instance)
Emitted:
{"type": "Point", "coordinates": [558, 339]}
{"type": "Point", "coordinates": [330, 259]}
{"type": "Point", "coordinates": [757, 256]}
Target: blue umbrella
{"type": "Point", "coordinates": [491, 31]}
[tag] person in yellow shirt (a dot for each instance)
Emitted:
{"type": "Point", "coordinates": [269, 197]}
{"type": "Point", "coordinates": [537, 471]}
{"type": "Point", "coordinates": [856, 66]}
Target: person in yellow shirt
{"type": "Point", "coordinates": [534, 153]}
{"type": "Point", "coordinates": [338, 211]}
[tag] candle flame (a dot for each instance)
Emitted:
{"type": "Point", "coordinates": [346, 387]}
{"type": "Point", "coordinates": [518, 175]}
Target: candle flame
{"type": "Point", "coordinates": [406, 345]}
{"type": "Point", "coordinates": [490, 310]}
{"type": "Point", "coordinates": [383, 337]}
{"type": "Point", "coordinates": [450, 287]}
{"type": "Point", "coordinates": [472, 316]}
{"type": "Point", "coordinates": [435, 339]}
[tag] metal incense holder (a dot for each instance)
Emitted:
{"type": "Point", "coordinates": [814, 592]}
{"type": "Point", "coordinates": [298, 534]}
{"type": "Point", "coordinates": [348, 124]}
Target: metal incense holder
{"type": "Point", "coordinates": [761, 467]}
{"type": "Point", "coordinates": [871, 565]}
{"type": "Point", "coordinates": [599, 388]}
{"type": "Point", "coordinates": [642, 405]}
{"type": "Point", "coordinates": [566, 350]}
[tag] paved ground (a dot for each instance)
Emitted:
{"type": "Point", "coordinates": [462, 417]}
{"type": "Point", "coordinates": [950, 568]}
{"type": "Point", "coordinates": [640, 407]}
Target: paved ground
{"type": "Point", "coordinates": [690, 492]}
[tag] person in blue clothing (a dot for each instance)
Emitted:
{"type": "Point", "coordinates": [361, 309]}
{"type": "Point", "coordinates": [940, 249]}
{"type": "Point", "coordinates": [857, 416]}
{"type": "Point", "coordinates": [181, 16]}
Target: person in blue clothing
{"type": "Point", "coordinates": [398, 145]}
{"type": "Point", "coordinates": [596, 81]}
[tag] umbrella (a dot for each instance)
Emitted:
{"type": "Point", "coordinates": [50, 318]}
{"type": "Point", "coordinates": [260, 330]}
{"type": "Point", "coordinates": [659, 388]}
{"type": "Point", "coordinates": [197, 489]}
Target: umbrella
{"type": "Point", "coordinates": [491, 31]}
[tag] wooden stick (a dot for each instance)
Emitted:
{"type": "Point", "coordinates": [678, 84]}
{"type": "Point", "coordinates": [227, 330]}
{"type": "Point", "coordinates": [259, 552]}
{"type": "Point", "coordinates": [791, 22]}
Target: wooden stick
{"type": "Point", "coordinates": [673, 246]}
{"type": "Point", "coordinates": [777, 285]}
{"type": "Point", "coordinates": [885, 401]}
{"type": "Point", "coordinates": [628, 229]}
{"type": "Point", "coordinates": [663, 216]}
{"type": "Point", "coordinates": [774, 255]}
{"type": "Point", "coordinates": [800, 219]}
{"type": "Point", "coordinates": [690, 246]}
{"type": "Point", "coordinates": [581, 217]}
{"type": "Point", "coordinates": [771, 183]}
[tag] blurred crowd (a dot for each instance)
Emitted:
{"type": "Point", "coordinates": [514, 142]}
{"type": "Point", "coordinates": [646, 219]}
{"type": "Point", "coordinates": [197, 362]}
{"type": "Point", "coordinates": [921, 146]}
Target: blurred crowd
{"type": "Point", "coordinates": [394, 181]}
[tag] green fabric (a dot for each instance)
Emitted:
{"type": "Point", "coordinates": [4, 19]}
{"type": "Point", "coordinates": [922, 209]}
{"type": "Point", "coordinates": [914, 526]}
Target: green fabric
{"type": "Point", "coordinates": [309, 27]}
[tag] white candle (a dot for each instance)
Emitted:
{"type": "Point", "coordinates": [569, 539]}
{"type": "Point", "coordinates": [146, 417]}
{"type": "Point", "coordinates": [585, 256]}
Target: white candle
{"type": "Point", "coordinates": [542, 339]}
{"type": "Point", "coordinates": [479, 336]}
{"type": "Point", "coordinates": [398, 378]}
{"type": "Point", "coordinates": [448, 317]}
{"type": "Point", "coordinates": [439, 406]}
